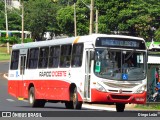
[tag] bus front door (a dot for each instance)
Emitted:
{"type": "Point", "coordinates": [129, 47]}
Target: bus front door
{"type": "Point", "coordinates": [87, 89]}
{"type": "Point", "coordinates": [23, 53]}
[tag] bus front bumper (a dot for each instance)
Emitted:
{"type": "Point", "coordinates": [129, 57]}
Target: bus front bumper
{"type": "Point", "coordinates": [105, 97]}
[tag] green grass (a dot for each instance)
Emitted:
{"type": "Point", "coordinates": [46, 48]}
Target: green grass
{"type": "Point", "coordinates": [4, 57]}
{"type": "Point", "coordinates": [149, 106]}
{"type": "Point", "coordinates": [3, 54]}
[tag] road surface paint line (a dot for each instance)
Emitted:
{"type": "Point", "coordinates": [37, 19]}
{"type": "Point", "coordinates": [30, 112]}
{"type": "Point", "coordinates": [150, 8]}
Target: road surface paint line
{"type": "Point", "coordinates": [5, 76]}
{"type": "Point", "coordinates": [10, 100]}
{"type": "Point", "coordinates": [98, 108]}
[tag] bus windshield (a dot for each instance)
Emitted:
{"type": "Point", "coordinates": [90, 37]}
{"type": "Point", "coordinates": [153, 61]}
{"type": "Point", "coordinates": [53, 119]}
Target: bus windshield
{"type": "Point", "coordinates": [120, 64]}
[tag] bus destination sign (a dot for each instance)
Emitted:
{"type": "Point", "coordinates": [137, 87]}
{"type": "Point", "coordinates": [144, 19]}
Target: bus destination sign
{"type": "Point", "coordinates": [119, 42]}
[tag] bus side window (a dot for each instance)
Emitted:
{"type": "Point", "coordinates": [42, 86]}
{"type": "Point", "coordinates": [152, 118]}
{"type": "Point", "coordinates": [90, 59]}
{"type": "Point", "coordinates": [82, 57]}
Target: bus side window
{"type": "Point", "coordinates": [65, 58]}
{"type": "Point", "coordinates": [54, 57]}
{"type": "Point", "coordinates": [43, 57]}
{"type": "Point", "coordinates": [33, 58]}
{"type": "Point", "coordinates": [77, 54]}
{"type": "Point", "coordinates": [14, 60]}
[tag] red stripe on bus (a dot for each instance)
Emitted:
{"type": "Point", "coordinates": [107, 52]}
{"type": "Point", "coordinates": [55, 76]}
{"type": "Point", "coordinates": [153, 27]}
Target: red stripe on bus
{"type": "Point", "coordinates": [45, 89]}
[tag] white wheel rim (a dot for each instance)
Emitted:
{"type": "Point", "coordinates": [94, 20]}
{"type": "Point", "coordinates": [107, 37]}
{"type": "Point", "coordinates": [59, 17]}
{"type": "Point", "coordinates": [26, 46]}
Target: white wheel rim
{"type": "Point", "coordinates": [31, 98]}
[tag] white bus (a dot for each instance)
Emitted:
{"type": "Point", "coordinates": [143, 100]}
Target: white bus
{"type": "Point", "coordinates": [80, 69]}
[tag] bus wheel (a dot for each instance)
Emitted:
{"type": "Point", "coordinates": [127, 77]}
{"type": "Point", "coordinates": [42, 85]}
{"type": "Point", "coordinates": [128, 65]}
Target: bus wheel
{"type": "Point", "coordinates": [32, 101]}
{"type": "Point", "coordinates": [69, 104]}
{"type": "Point", "coordinates": [120, 107]}
{"type": "Point", "coordinates": [41, 103]}
{"type": "Point", "coordinates": [76, 104]}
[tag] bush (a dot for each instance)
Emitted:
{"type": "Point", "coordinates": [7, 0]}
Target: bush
{"type": "Point", "coordinates": [14, 40]}
{"type": "Point", "coordinates": [2, 40]}
{"type": "Point", "coordinates": [28, 40]}
{"type": "Point", "coordinates": [11, 40]}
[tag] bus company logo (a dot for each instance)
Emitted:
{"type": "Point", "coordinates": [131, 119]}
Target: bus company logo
{"type": "Point", "coordinates": [52, 74]}
{"type": "Point", "coordinates": [17, 74]}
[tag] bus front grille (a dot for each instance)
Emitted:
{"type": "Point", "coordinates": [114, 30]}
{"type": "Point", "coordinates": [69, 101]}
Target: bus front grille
{"type": "Point", "coordinates": [116, 91]}
{"type": "Point", "coordinates": [120, 97]}
{"type": "Point", "coordinates": [117, 85]}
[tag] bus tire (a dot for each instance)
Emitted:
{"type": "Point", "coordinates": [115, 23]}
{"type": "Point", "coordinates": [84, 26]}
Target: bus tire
{"type": "Point", "coordinates": [41, 103]}
{"type": "Point", "coordinates": [69, 104]}
{"type": "Point", "coordinates": [76, 104]}
{"type": "Point", "coordinates": [120, 107]}
{"type": "Point", "coordinates": [34, 102]}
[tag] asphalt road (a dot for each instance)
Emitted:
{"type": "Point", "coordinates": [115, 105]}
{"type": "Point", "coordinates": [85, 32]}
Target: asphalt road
{"type": "Point", "coordinates": [4, 67]}
{"type": "Point", "coordinates": [9, 103]}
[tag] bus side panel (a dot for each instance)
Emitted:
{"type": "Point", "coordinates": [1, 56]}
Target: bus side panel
{"type": "Point", "coordinates": [79, 97]}
{"type": "Point", "coordinates": [39, 88]}
{"type": "Point", "coordinates": [13, 88]}
{"type": "Point", "coordinates": [57, 90]}
{"type": "Point", "coordinates": [49, 89]}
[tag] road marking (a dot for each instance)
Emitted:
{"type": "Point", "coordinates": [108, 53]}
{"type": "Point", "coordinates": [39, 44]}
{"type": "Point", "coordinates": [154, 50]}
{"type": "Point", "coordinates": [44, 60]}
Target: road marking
{"type": "Point", "coordinates": [5, 76]}
{"type": "Point", "coordinates": [10, 100]}
{"type": "Point", "coordinates": [98, 108]}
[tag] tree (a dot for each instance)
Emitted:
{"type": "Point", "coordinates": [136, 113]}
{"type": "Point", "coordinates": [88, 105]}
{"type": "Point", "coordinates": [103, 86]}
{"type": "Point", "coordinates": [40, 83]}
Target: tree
{"type": "Point", "coordinates": [14, 20]}
{"type": "Point", "coordinates": [40, 17]}
{"type": "Point", "coordinates": [134, 16]}
{"type": "Point", "coordinates": [2, 16]}
{"type": "Point", "coordinates": [83, 17]}
{"type": "Point", "coordinates": [131, 17]}
{"type": "Point", "coordinates": [65, 18]}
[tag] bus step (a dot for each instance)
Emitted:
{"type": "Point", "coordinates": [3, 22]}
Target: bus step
{"type": "Point", "coordinates": [20, 98]}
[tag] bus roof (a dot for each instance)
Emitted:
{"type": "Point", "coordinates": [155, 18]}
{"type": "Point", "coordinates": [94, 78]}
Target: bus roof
{"type": "Point", "coordinates": [70, 40]}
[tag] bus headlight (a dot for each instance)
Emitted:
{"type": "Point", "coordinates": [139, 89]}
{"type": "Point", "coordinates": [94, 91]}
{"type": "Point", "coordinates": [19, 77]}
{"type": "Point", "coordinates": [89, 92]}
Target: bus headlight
{"type": "Point", "coordinates": [100, 87]}
{"type": "Point", "coordinates": [141, 89]}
